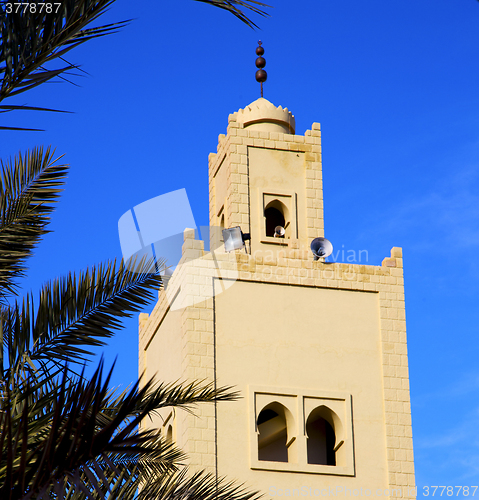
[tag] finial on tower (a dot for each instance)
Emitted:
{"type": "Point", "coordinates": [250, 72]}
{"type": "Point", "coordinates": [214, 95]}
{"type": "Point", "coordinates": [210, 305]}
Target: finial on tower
{"type": "Point", "coordinates": [261, 74]}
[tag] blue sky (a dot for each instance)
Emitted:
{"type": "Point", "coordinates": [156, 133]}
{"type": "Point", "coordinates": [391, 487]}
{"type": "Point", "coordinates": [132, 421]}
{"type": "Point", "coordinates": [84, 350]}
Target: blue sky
{"type": "Point", "coordinates": [394, 86]}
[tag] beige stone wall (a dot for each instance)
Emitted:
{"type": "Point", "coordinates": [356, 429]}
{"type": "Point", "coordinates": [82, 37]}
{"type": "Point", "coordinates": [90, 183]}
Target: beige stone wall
{"type": "Point", "coordinates": [176, 345]}
{"type": "Point", "coordinates": [197, 333]}
{"type": "Point", "coordinates": [233, 157]}
{"type": "Point", "coordinates": [306, 341]}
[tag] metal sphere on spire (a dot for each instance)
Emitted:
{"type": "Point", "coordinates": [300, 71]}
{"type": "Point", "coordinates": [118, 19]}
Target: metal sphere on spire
{"type": "Point", "coordinates": [261, 74]}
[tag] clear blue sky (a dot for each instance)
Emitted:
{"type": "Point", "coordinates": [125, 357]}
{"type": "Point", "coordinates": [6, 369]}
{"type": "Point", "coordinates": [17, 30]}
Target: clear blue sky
{"type": "Point", "coordinates": [395, 88]}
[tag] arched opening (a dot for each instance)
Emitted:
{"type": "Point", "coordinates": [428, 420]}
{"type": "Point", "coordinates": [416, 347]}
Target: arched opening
{"type": "Point", "coordinates": [272, 434]}
{"type": "Point", "coordinates": [222, 221]}
{"type": "Point", "coordinates": [321, 437]}
{"type": "Point", "coordinates": [169, 434]}
{"type": "Point", "coordinates": [275, 215]}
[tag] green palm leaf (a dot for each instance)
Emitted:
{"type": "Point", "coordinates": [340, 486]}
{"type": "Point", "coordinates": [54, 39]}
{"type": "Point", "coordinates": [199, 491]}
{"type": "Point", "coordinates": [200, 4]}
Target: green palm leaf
{"type": "Point", "coordinates": [30, 40]}
{"type": "Point", "coordinates": [199, 486]}
{"type": "Point", "coordinates": [81, 438]}
{"type": "Point", "coordinates": [74, 314]}
{"type": "Point", "coordinates": [236, 7]}
{"type": "Point", "coordinates": [29, 187]}
{"type": "Point", "coordinates": [62, 435]}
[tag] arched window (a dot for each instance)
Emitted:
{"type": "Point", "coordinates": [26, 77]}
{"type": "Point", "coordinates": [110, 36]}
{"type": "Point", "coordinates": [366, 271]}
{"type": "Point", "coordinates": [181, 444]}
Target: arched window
{"type": "Point", "coordinates": [272, 437]}
{"type": "Point", "coordinates": [321, 437]}
{"type": "Point", "coordinates": [275, 215]}
{"type": "Point", "coordinates": [169, 434]}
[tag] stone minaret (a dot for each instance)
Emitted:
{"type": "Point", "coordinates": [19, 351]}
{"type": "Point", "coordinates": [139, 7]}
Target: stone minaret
{"type": "Point", "coordinates": [317, 349]}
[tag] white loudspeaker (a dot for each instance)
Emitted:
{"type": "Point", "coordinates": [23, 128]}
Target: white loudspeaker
{"type": "Point", "coordinates": [321, 248]}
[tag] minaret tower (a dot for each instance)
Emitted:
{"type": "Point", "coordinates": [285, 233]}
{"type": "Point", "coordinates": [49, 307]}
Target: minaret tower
{"type": "Point", "coordinates": [317, 349]}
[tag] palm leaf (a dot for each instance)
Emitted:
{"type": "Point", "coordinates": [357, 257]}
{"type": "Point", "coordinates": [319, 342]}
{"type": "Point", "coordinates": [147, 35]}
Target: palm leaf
{"type": "Point", "coordinates": [174, 485]}
{"type": "Point", "coordinates": [34, 459]}
{"type": "Point", "coordinates": [74, 314]}
{"type": "Point", "coordinates": [81, 438]}
{"type": "Point", "coordinates": [185, 395]}
{"type": "Point", "coordinates": [236, 7]}
{"type": "Point", "coordinates": [199, 486]}
{"type": "Point", "coordinates": [29, 186]}
{"type": "Point", "coordinates": [30, 40]}
{"type": "Point", "coordinates": [23, 129]}
{"type": "Point", "coordinates": [20, 107]}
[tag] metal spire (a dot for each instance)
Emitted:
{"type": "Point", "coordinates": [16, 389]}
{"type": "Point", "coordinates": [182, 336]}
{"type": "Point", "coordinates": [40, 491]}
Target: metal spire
{"type": "Point", "coordinates": [261, 74]}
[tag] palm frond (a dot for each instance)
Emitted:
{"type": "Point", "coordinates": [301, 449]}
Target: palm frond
{"type": "Point", "coordinates": [32, 459]}
{"type": "Point", "coordinates": [185, 396]}
{"type": "Point", "coordinates": [21, 107]}
{"type": "Point", "coordinates": [23, 129]}
{"type": "Point", "coordinates": [29, 186]}
{"type": "Point", "coordinates": [237, 7]}
{"type": "Point", "coordinates": [199, 486]}
{"type": "Point", "coordinates": [74, 314]}
{"type": "Point", "coordinates": [146, 483]}
{"type": "Point", "coordinates": [29, 40]}
{"type": "Point", "coordinates": [73, 439]}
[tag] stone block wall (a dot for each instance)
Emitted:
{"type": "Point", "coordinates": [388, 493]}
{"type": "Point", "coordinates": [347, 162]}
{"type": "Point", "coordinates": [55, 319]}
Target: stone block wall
{"type": "Point", "coordinates": [196, 434]}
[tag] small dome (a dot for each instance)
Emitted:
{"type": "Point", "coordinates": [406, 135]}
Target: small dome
{"type": "Point", "coordinates": [265, 116]}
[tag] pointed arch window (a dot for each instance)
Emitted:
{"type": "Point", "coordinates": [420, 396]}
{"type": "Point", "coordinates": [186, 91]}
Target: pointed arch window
{"type": "Point", "coordinates": [169, 434]}
{"type": "Point", "coordinates": [272, 434]}
{"type": "Point", "coordinates": [275, 214]}
{"type": "Point", "coordinates": [301, 432]}
{"type": "Point", "coordinates": [321, 438]}
{"type": "Point", "coordinates": [276, 434]}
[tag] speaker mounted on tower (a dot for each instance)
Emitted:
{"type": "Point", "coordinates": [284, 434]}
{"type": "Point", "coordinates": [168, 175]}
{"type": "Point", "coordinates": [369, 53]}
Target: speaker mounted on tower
{"type": "Point", "coordinates": [321, 248]}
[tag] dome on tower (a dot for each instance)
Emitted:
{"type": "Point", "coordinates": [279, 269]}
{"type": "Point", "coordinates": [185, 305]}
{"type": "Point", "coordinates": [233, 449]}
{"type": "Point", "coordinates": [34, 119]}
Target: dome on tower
{"type": "Point", "coordinates": [265, 116]}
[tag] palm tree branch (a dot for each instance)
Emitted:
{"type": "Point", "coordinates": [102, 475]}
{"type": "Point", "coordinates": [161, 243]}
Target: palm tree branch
{"type": "Point", "coordinates": [29, 186]}
{"type": "Point", "coordinates": [236, 7]}
{"type": "Point", "coordinates": [69, 430]}
{"type": "Point", "coordinates": [29, 40]}
{"type": "Point", "coordinates": [199, 486]}
{"type": "Point", "coordinates": [74, 315]}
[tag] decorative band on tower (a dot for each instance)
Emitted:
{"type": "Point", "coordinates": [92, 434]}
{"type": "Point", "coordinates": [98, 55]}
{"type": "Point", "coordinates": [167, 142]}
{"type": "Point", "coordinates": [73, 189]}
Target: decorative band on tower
{"type": "Point", "coordinates": [261, 74]}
